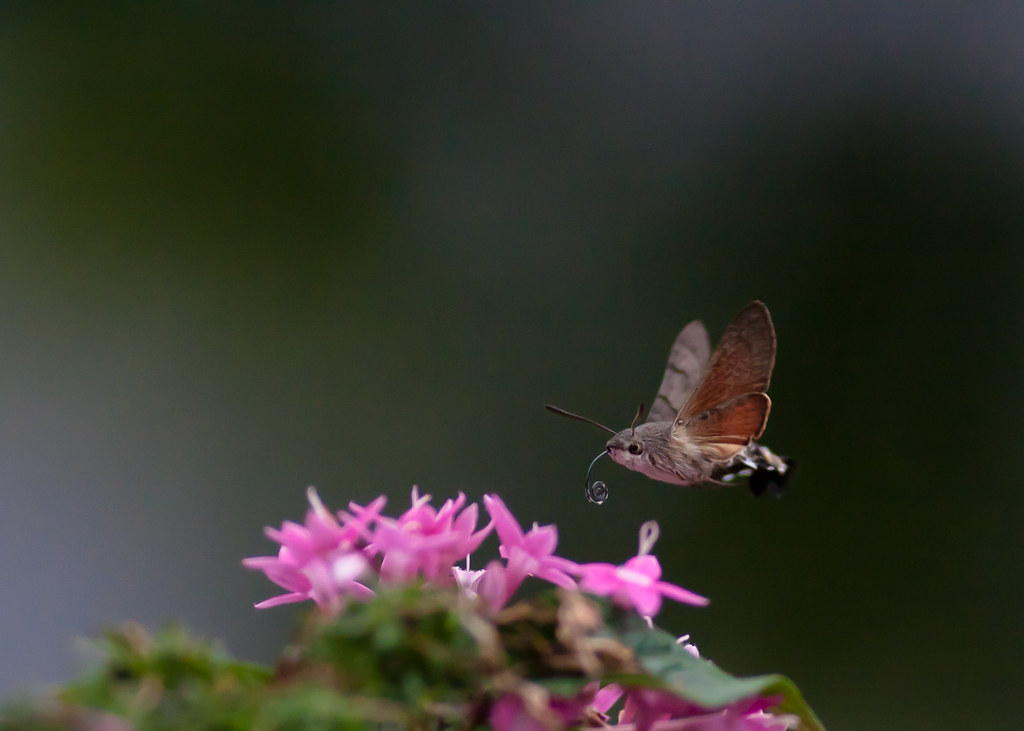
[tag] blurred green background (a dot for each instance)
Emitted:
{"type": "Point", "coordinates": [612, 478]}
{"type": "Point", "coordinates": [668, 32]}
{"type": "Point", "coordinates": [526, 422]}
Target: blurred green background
{"type": "Point", "coordinates": [245, 248]}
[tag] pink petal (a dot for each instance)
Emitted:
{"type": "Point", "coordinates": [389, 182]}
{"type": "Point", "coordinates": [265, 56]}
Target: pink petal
{"type": "Point", "coordinates": [509, 714]}
{"type": "Point", "coordinates": [647, 600]}
{"type": "Point", "coordinates": [646, 565]}
{"type": "Point", "coordinates": [541, 541]}
{"type": "Point", "coordinates": [556, 577]}
{"type": "Point", "coordinates": [563, 564]}
{"type": "Point", "coordinates": [287, 577]}
{"type": "Point", "coordinates": [477, 538]}
{"type": "Point", "coordinates": [519, 565]}
{"type": "Point", "coordinates": [497, 585]}
{"type": "Point", "coordinates": [359, 590]}
{"type": "Point", "coordinates": [466, 521]}
{"type": "Point", "coordinates": [259, 562]}
{"type": "Point", "coordinates": [505, 523]}
{"type": "Point", "coordinates": [600, 578]}
{"type": "Point", "coordinates": [606, 697]}
{"type": "Point", "coordinates": [450, 508]}
{"type": "Point", "coordinates": [357, 522]}
{"type": "Point", "coordinates": [282, 599]}
{"type": "Point", "coordinates": [680, 594]}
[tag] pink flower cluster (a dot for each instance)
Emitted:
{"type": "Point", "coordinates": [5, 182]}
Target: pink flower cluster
{"type": "Point", "coordinates": [328, 558]}
{"type": "Point", "coordinates": [645, 709]}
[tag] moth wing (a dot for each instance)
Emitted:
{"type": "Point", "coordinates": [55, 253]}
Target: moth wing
{"type": "Point", "coordinates": [722, 431]}
{"type": "Point", "coordinates": [686, 361]}
{"type": "Point", "coordinates": [741, 364]}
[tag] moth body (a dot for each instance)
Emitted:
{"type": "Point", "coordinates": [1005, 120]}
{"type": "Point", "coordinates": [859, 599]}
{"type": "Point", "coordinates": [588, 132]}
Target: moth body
{"type": "Point", "coordinates": [708, 411]}
{"type": "Point", "coordinates": [650, 450]}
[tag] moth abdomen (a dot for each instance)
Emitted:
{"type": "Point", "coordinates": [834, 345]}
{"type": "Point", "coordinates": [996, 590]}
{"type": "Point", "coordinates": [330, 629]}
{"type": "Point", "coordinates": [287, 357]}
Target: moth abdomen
{"type": "Point", "coordinates": [771, 480]}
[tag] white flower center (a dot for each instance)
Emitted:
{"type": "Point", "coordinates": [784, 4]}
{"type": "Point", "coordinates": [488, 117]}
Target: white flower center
{"type": "Point", "coordinates": [633, 577]}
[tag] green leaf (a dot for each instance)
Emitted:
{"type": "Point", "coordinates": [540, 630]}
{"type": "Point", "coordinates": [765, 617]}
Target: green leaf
{"type": "Point", "coordinates": [562, 687]}
{"type": "Point", "coordinates": [703, 682]}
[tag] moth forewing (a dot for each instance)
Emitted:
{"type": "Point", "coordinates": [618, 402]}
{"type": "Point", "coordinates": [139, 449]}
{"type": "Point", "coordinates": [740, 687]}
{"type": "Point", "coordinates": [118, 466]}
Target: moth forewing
{"type": "Point", "coordinates": [723, 431]}
{"type": "Point", "coordinates": [741, 364]}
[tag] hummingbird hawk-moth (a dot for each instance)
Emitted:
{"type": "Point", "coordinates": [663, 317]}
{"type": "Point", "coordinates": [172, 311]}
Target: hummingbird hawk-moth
{"type": "Point", "coordinates": [709, 410]}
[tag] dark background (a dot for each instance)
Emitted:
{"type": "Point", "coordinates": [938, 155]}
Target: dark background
{"type": "Point", "coordinates": [248, 248]}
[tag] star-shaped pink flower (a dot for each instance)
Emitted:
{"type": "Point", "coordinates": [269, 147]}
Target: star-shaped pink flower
{"type": "Point", "coordinates": [635, 584]}
{"type": "Point", "coordinates": [319, 559]}
{"type": "Point", "coordinates": [426, 542]}
{"type": "Point", "coordinates": [530, 553]}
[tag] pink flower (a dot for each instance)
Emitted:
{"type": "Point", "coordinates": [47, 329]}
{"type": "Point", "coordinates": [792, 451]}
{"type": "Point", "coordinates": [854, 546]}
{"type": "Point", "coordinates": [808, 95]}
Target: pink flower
{"type": "Point", "coordinates": [659, 710]}
{"type": "Point", "coordinates": [509, 713]}
{"type": "Point", "coordinates": [527, 554]}
{"type": "Point", "coordinates": [602, 702]}
{"type": "Point", "coordinates": [513, 712]}
{"type": "Point", "coordinates": [468, 580]}
{"type": "Point", "coordinates": [491, 585]}
{"type": "Point", "coordinates": [645, 707]}
{"type": "Point", "coordinates": [426, 542]}
{"type": "Point", "coordinates": [318, 560]}
{"type": "Point", "coordinates": [635, 584]}
{"type": "Point", "coordinates": [732, 719]}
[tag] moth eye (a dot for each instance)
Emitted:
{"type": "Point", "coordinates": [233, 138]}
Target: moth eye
{"type": "Point", "coordinates": [635, 448]}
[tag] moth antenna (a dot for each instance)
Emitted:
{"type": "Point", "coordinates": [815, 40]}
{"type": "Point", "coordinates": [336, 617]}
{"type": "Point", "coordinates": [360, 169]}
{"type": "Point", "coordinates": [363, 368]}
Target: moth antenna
{"type": "Point", "coordinates": [636, 419]}
{"type": "Point", "coordinates": [577, 417]}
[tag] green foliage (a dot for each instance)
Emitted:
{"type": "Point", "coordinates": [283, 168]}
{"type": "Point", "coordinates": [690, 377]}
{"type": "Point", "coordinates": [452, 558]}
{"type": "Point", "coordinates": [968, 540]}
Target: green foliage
{"type": "Point", "coordinates": [170, 681]}
{"type": "Point", "coordinates": [413, 657]}
{"type": "Point", "coordinates": [410, 646]}
{"type": "Point", "coordinates": [703, 682]}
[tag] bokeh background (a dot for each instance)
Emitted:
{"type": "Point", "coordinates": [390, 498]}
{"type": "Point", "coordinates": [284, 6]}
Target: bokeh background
{"type": "Point", "coordinates": [245, 248]}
